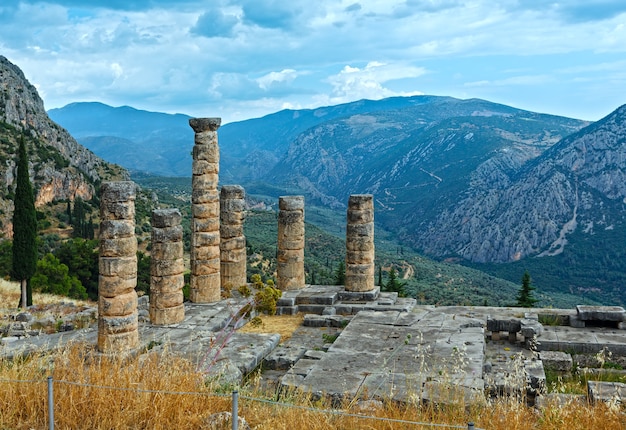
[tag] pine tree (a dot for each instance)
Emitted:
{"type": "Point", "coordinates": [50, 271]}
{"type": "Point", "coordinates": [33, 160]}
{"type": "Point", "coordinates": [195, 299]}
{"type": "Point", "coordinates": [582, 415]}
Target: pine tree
{"type": "Point", "coordinates": [525, 297]}
{"type": "Point", "coordinates": [393, 284]}
{"type": "Point", "coordinates": [380, 276]}
{"type": "Point", "coordinates": [24, 228]}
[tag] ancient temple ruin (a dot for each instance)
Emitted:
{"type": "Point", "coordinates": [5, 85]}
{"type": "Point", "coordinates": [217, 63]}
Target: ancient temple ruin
{"type": "Point", "coordinates": [167, 268]}
{"type": "Point", "coordinates": [290, 257]}
{"type": "Point", "coordinates": [360, 243]}
{"type": "Point", "coordinates": [205, 207]}
{"type": "Point", "coordinates": [232, 239]}
{"type": "Point", "coordinates": [117, 298]}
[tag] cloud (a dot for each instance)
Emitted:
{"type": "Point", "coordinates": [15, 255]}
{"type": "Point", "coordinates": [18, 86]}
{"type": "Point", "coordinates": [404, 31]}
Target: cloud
{"type": "Point", "coordinates": [274, 14]}
{"type": "Point", "coordinates": [273, 79]}
{"type": "Point", "coordinates": [215, 23]}
{"type": "Point", "coordinates": [353, 83]}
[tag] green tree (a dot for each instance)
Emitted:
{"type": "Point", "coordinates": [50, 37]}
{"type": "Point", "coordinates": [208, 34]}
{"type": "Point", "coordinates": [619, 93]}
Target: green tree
{"type": "Point", "coordinates": [380, 276]}
{"type": "Point", "coordinates": [143, 272]}
{"type": "Point", "coordinates": [24, 228]}
{"type": "Point", "coordinates": [393, 284]}
{"type": "Point", "coordinates": [340, 273]}
{"type": "Point", "coordinates": [53, 277]}
{"type": "Point", "coordinates": [525, 297]}
{"type": "Point", "coordinates": [81, 257]}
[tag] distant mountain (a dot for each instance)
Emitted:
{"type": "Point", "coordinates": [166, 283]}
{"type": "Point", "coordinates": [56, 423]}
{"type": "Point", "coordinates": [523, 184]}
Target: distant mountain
{"type": "Point", "coordinates": [138, 140]}
{"type": "Point", "coordinates": [60, 168]}
{"type": "Point", "coordinates": [471, 181]}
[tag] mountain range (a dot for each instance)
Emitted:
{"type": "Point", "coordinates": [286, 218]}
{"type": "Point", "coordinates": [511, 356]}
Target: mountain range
{"type": "Point", "coordinates": [468, 181]}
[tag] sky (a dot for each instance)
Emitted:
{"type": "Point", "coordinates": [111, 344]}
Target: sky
{"type": "Point", "coordinates": [240, 59]}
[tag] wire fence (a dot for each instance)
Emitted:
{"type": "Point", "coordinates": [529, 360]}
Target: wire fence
{"type": "Point", "coordinates": [235, 403]}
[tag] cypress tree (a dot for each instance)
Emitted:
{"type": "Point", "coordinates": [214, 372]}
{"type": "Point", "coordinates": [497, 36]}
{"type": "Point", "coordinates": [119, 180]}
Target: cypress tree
{"type": "Point", "coordinates": [525, 297]}
{"type": "Point", "coordinates": [24, 228]}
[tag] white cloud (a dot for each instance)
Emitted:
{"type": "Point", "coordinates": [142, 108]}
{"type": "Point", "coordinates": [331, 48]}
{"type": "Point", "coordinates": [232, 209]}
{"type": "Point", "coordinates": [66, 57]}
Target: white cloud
{"type": "Point", "coordinates": [284, 76]}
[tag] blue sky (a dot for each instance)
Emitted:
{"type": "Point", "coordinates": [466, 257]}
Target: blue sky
{"type": "Point", "coordinates": [239, 59]}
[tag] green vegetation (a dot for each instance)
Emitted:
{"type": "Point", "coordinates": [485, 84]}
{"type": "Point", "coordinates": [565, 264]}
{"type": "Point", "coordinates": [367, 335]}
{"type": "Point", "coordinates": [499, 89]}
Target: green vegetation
{"type": "Point", "coordinates": [24, 228]}
{"type": "Point", "coordinates": [525, 298]}
{"type": "Point", "coordinates": [53, 277]}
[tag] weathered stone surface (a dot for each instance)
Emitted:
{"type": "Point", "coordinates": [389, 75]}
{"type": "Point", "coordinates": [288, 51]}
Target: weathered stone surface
{"type": "Point", "coordinates": [206, 239]}
{"type": "Point", "coordinates": [166, 250]}
{"type": "Point", "coordinates": [203, 253]}
{"type": "Point", "coordinates": [512, 325]}
{"type": "Point", "coordinates": [120, 305]}
{"type": "Point", "coordinates": [162, 218]}
{"type": "Point", "coordinates": [167, 284]}
{"type": "Point", "coordinates": [204, 167]}
{"type": "Point", "coordinates": [167, 234]}
{"type": "Point", "coordinates": [118, 247]}
{"type": "Point", "coordinates": [206, 180]}
{"type": "Point", "coordinates": [204, 196]}
{"type": "Point", "coordinates": [200, 125]}
{"type": "Point", "coordinates": [111, 286]}
{"type": "Point", "coordinates": [117, 264]}
{"type": "Point", "coordinates": [205, 267]}
{"type": "Point", "coordinates": [601, 313]}
{"type": "Point", "coordinates": [205, 210]}
{"type": "Point", "coordinates": [290, 256]}
{"type": "Point", "coordinates": [167, 267]}
{"type": "Point", "coordinates": [206, 152]}
{"type": "Point", "coordinates": [606, 391]}
{"type": "Point", "coordinates": [117, 211]}
{"type": "Point", "coordinates": [166, 300]}
{"type": "Point", "coordinates": [557, 361]}
{"type": "Point", "coordinates": [116, 229]}
{"type": "Point", "coordinates": [124, 267]}
{"type": "Point", "coordinates": [205, 288]}
{"type": "Point", "coordinates": [360, 250]}
{"type": "Point", "coordinates": [170, 315]}
{"type": "Point", "coordinates": [118, 191]}
{"type": "Point", "coordinates": [206, 225]}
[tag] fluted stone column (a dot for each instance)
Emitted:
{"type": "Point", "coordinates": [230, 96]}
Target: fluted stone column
{"type": "Point", "coordinates": [290, 259]}
{"type": "Point", "coordinates": [360, 243]}
{"type": "Point", "coordinates": [117, 298]}
{"type": "Point", "coordinates": [205, 206]}
{"type": "Point", "coordinates": [167, 268]}
{"type": "Point", "coordinates": [232, 239]}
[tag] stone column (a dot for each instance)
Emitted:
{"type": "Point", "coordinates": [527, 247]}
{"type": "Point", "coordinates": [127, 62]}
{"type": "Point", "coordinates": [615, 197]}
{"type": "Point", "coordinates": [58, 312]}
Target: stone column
{"type": "Point", "coordinates": [360, 243]}
{"type": "Point", "coordinates": [205, 206]}
{"type": "Point", "coordinates": [290, 258]}
{"type": "Point", "coordinates": [232, 239]}
{"type": "Point", "coordinates": [117, 298]}
{"type": "Point", "coordinates": [167, 268]}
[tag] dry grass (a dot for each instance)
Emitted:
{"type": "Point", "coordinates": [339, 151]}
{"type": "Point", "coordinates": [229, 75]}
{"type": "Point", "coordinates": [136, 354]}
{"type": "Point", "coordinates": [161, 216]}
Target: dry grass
{"type": "Point", "coordinates": [284, 325]}
{"type": "Point", "coordinates": [164, 392]}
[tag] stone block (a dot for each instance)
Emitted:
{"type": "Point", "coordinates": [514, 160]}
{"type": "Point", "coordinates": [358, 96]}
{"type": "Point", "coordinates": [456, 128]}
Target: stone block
{"type": "Point", "coordinates": [206, 239]}
{"type": "Point", "coordinates": [117, 211]}
{"type": "Point", "coordinates": [329, 310]}
{"type": "Point", "coordinates": [359, 230]}
{"type": "Point", "coordinates": [204, 254]}
{"type": "Point", "coordinates": [312, 320]}
{"type": "Point", "coordinates": [200, 125]}
{"type": "Point", "coordinates": [111, 286]}
{"type": "Point", "coordinates": [124, 267]}
{"type": "Point", "coordinates": [601, 313]}
{"type": "Point", "coordinates": [166, 250]}
{"type": "Point", "coordinates": [576, 322]}
{"type": "Point", "coordinates": [291, 203]}
{"type": "Point", "coordinates": [356, 216]}
{"type": "Point", "coordinates": [232, 218]}
{"type": "Point", "coordinates": [205, 167]}
{"type": "Point", "coordinates": [167, 234]}
{"type": "Point", "coordinates": [118, 342]}
{"type": "Point", "coordinates": [206, 152]}
{"type": "Point", "coordinates": [205, 210]}
{"type": "Point", "coordinates": [167, 284]}
{"type": "Point", "coordinates": [204, 196]}
{"type": "Point", "coordinates": [121, 305]}
{"type": "Point", "coordinates": [556, 361]}
{"type": "Point", "coordinates": [361, 201]}
{"type": "Point", "coordinates": [118, 191]}
{"type": "Point", "coordinates": [167, 267]}
{"type": "Point", "coordinates": [118, 247]}
{"type": "Point", "coordinates": [115, 229]}
{"type": "Point", "coordinates": [284, 357]}
{"type": "Point", "coordinates": [117, 324]}
{"type": "Point", "coordinates": [166, 300]}
{"type": "Point", "coordinates": [162, 218]}
{"type": "Point", "coordinates": [510, 325]}
{"type": "Point", "coordinates": [530, 328]}
{"type": "Point", "coordinates": [168, 315]}
{"type": "Point", "coordinates": [206, 225]}
{"type": "Point", "coordinates": [606, 391]}
{"type": "Point", "coordinates": [205, 267]}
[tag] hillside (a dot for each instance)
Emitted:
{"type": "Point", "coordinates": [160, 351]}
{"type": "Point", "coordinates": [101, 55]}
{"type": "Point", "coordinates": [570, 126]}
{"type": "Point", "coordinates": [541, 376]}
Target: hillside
{"type": "Point", "coordinates": [60, 168]}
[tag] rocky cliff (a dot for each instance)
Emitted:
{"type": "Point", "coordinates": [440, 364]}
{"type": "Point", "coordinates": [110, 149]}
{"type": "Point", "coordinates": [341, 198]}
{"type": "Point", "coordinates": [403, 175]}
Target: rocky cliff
{"type": "Point", "coordinates": [60, 168]}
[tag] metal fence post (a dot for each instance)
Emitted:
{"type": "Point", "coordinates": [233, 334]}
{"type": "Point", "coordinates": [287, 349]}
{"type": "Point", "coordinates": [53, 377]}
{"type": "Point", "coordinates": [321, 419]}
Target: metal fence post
{"type": "Point", "coordinates": [235, 414]}
{"type": "Point", "coordinates": [470, 426]}
{"type": "Point", "coordinates": [50, 404]}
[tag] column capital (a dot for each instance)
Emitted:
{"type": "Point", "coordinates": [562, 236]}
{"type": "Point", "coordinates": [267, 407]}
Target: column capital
{"type": "Point", "coordinates": [205, 124]}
